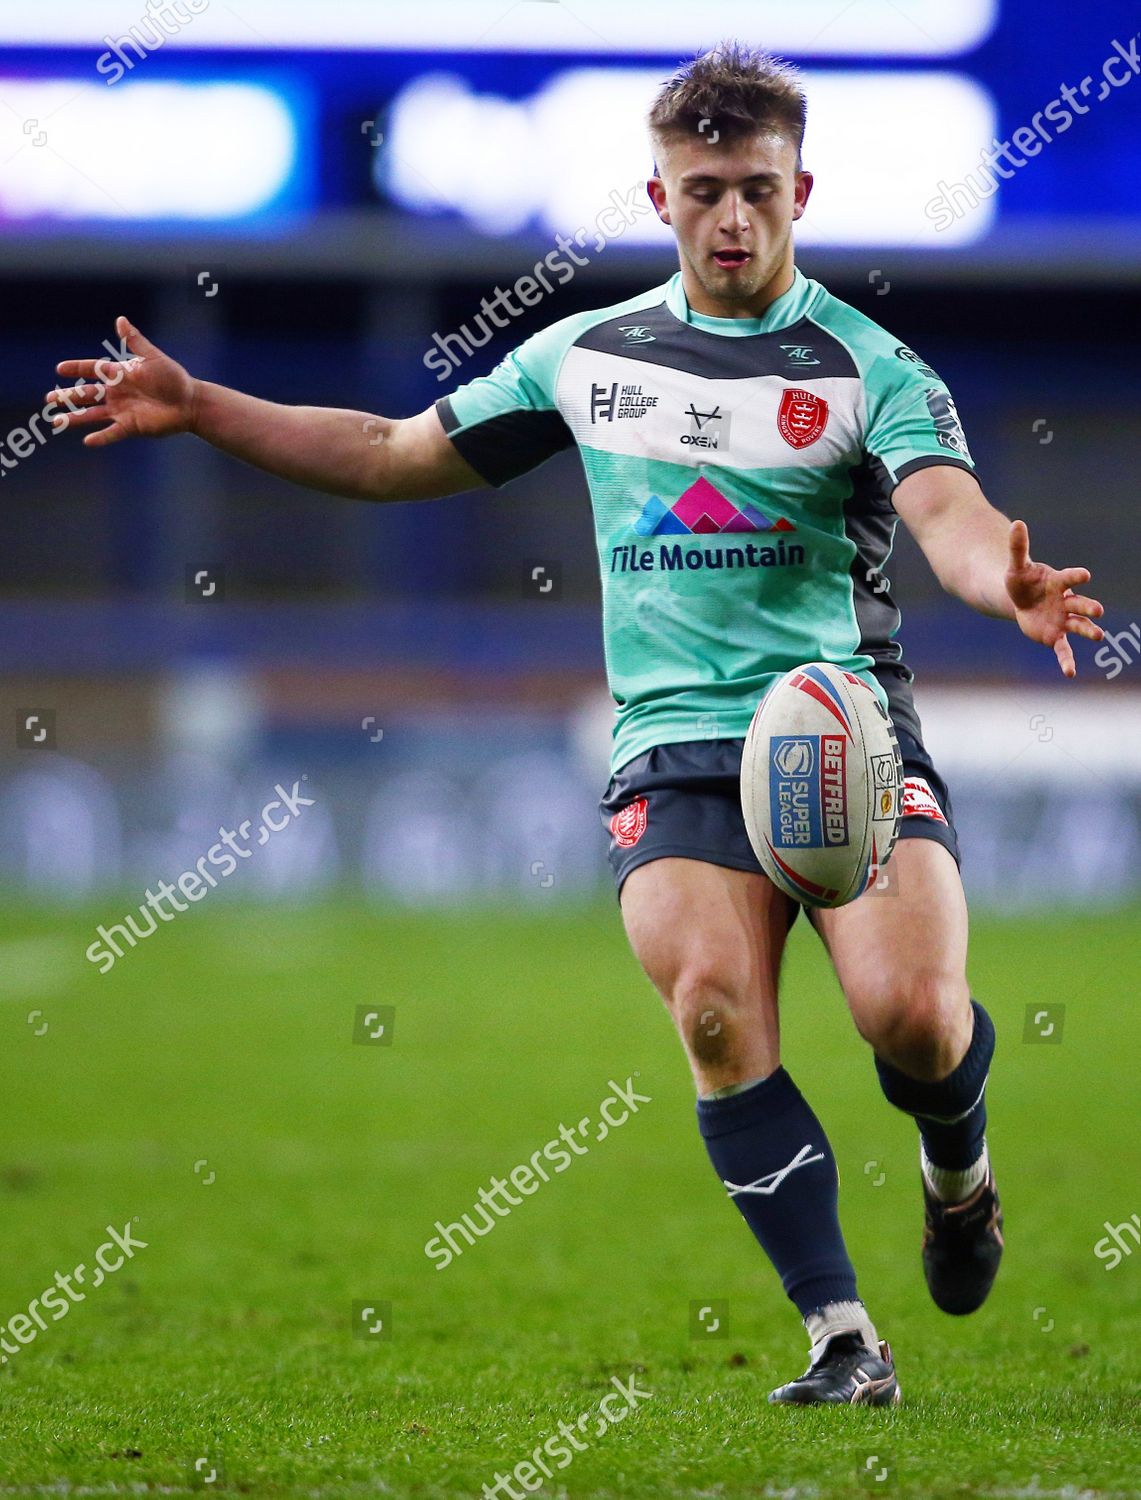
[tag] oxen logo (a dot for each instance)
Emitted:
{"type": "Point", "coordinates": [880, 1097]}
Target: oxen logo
{"type": "Point", "coordinates": [708, 429]}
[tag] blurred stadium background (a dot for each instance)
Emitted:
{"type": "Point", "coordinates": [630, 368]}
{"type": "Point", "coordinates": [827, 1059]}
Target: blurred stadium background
{"type": "Point", "coordinates": [303, 202]}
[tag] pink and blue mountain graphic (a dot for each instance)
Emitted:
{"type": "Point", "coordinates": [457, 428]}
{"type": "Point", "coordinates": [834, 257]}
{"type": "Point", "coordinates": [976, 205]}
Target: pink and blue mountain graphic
{"type": "Point", "coordinates": [703, 509]}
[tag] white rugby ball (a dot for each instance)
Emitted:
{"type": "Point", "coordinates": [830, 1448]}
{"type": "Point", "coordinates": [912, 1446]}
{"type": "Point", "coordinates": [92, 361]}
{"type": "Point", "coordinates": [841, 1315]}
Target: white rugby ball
{"type": "Point", "coordinates": [821, 785]}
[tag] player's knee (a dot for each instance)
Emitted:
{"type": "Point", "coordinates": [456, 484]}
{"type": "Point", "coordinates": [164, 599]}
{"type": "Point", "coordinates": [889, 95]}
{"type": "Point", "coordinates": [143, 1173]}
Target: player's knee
{"type": "Point", "coordinates": [709, 1002]}
{"type": "Point", "coordinates": [922, 1024]}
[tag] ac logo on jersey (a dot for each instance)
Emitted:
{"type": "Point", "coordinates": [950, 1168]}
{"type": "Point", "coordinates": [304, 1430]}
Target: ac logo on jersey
{"type": "Point", "coordinates": [800, 355]}
{"type": "Point", "coordinates": [636, 333]}
{"type": "Point", "coordinates": [801, 417]}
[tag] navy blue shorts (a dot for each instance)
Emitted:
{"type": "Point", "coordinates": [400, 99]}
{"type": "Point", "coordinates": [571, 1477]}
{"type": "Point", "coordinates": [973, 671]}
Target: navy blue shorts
{"type": "Point", "coordinates": [685, 799]}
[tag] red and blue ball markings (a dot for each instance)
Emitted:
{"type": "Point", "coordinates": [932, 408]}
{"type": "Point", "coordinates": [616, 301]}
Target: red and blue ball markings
{"type": "Point", "coordinates": [803, 888]}
{"type": "Point", "coordinates": [808, 788]}
{"type": "Point", "coordinates": [814, 682]}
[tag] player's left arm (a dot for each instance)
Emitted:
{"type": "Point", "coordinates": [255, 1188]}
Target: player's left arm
{"type": "Point", "coordinates": [984, 559]}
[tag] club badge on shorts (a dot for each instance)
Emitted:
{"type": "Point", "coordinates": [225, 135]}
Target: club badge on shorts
{"type": "Point", "coordinates": [629, 823]}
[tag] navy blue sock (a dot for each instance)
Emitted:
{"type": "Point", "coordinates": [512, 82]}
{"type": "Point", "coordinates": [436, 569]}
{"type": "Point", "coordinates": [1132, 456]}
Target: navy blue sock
{"type": "Point", "coordinates": [770, 1151]}
{"type": "Point", "coordinates": [951, 1114]}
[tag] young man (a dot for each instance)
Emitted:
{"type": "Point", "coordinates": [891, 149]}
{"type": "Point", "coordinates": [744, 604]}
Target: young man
{"type": "Point", "coordinates": [740, 399]}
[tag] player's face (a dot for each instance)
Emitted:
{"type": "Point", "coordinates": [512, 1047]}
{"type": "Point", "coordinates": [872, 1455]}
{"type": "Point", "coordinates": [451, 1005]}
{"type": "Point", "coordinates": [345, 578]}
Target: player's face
{"type": "Point", "coordinates": [732, 208]}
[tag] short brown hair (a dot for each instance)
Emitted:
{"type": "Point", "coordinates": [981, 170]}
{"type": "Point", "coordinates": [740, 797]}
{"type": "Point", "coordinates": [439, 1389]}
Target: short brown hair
{"type": "Point", "coordinates": [730, 93]}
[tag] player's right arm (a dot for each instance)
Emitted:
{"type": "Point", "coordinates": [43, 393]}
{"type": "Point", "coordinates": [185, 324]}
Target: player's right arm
{"type": "Point", "coordinates": [350, 453]}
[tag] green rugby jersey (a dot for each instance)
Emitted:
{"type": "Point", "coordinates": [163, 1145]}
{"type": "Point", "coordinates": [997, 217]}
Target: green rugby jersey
{"type": "Point", "coordinates": [741, 474]}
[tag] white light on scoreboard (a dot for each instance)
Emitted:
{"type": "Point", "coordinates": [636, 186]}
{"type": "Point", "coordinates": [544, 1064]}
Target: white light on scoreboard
{"type": "Point", "coordinates": [879, 145]}
{"type": "Point", "coordinates": [804, 28]}
{"type": "Point", "coordinates": [75, 150]}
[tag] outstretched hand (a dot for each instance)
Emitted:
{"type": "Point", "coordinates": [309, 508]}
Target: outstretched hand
{"type": "Point", "coordinates": [147, 395]}
{"type": "Point", "coordinates": [1045, 605]}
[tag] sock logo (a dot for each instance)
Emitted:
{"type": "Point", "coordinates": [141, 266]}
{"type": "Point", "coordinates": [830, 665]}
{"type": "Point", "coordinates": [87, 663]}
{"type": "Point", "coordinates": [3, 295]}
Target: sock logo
{"type": "Point", "coordinates": [772, 1180]}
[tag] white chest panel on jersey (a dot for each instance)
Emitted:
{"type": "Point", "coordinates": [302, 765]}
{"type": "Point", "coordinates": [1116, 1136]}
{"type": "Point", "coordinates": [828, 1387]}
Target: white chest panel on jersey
{"type": "Point", "coordinates": [641, 410]}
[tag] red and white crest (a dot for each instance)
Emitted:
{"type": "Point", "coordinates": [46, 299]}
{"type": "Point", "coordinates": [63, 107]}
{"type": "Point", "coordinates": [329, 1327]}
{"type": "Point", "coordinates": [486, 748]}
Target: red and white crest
{"type": "Point", "coordinates": [801, 417]}
{"type": "Point", "coordinates": [629, 823]}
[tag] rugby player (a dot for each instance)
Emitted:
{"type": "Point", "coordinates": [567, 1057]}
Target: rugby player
{"type": "Point", "coordinates": [750, 443]}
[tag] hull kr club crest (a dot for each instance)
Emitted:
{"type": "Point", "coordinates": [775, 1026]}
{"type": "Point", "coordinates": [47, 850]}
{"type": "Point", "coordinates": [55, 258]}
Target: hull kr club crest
{"type": "Point", "coordinates": [629, 824]}
{"type": "Point", "coordinates": [801, 417]}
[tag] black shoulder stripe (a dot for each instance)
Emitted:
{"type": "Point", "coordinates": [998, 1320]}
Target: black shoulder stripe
{"type": "Point", "coordinates": [503, 447]}
{"type": "Point", "coordinates": [803, 352]}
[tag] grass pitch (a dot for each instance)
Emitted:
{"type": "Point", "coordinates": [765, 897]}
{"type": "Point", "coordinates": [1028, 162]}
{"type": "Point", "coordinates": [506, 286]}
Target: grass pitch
{"type": "Point", "coordinates": [208, 1094]}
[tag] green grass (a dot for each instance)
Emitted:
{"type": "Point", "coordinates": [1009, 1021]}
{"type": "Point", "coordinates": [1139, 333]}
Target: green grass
{"type": "Point", "coordinates": [226, 1037]}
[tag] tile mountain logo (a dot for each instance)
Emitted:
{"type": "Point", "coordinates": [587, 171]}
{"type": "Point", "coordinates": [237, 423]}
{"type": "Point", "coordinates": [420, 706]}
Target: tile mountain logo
{"type": "Point", "coordinates": [700, 511]}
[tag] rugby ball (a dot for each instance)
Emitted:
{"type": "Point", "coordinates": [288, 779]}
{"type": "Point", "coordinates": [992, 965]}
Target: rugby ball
{"type": "Point", "coordinates": [821, 785]}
